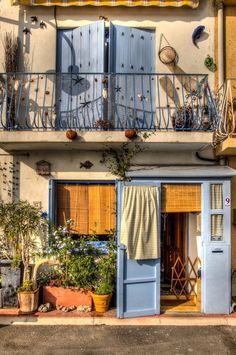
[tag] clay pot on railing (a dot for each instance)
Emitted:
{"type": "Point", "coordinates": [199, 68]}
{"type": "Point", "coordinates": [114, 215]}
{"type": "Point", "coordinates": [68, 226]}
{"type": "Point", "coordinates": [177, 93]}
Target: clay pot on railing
{"type": "Point", "coordinates": [71, 134]}
{"type": "Point", "coordinates": [130, 133]}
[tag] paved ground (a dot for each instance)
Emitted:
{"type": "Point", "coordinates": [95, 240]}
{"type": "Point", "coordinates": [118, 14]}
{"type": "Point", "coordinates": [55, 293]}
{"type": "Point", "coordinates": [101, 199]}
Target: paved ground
{"type": "Point", "coordinates": [117, 340]}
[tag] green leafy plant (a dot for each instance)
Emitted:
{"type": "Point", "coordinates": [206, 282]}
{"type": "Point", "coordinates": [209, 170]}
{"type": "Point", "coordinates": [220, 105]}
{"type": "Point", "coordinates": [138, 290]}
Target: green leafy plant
{"type": "Point", "coordinates": [119, 161]}
{"type": "Point", "coordinates": [77, 258]}
{"type": "Point", "coordinates": [106, 269]}
{"type": "Point", "coordinates": [104, 288]}
{"type": "Point", "coordinates": [27, 286]}
{"type": "Point", "coordinates": [22, 224]}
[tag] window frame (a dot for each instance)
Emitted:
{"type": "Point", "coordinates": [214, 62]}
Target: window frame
{"type": "Point", "coordinates": [53, 189]}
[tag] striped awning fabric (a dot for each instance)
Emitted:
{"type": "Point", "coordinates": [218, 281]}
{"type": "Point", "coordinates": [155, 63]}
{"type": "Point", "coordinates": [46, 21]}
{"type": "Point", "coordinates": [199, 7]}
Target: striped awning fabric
{"type": "Point", "coordinates": [130, 3]}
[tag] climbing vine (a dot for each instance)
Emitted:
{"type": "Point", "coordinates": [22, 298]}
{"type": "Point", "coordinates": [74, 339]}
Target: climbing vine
{"type": "Point", "coordinates": [119, 161]}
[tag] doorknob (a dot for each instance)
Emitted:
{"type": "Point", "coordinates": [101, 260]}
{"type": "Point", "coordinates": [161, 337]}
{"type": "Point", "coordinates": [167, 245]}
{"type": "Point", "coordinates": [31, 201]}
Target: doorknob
{"type": "Point", "coordinates": [122, 247]}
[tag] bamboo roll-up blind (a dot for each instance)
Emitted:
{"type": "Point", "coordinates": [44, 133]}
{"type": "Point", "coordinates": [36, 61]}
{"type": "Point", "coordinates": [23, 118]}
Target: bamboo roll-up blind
{"type": "Point", "coordinates": [72, 203]}
{"type": "Point", "coordinates": [101, 208]}
{"type": "Point", "coordinates": [92, 207]}
{"type": "Point", "coordinates": [181, 198]}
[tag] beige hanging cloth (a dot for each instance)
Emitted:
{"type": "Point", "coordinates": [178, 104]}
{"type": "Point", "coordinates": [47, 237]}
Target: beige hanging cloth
{"type": "Point", "coordinates": [139, 222]}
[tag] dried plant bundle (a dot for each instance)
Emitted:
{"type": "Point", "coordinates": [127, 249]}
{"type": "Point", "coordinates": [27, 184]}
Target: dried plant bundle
{"type": "Point", "coordinates": [11, 52]}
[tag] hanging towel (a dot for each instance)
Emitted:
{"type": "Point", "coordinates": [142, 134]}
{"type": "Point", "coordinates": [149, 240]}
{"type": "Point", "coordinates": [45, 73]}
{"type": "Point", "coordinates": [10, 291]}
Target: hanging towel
{"type": "Point", "coordinates": [139, 222]}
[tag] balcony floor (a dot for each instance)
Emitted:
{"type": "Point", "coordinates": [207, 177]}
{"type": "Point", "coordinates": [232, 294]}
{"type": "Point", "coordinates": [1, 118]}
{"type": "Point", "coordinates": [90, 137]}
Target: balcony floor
{"type": "Point", "coordinates": [95, 140]}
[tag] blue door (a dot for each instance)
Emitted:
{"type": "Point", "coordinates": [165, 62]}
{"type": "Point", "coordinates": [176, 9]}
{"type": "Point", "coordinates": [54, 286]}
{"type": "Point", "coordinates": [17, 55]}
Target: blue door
{"type": "Point", "coordinates": [216, 273]}
{"type": "Point", "coordinates": [138, 281]}
{"type": "Point", "coordinates": [80, 54]}
{"type": "Point", "coordinates": [132, 58]}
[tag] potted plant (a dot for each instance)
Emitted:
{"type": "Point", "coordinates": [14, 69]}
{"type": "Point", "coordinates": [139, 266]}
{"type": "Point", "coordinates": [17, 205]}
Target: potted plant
{"type": "Point", "coordinates": [23, 224]}
{"type": "Point", "coordinates": [105, 124]}
{"type": "Point", "coordinates": [70, 282]}
{"type": "Point", "coordinates": [105, 282]}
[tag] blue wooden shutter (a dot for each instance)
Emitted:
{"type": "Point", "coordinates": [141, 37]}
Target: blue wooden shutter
{"type": "Point", "coordinates": [216, 273]}
{"type": "Point", "coordinates": [132, 54]}
{"type": "Point", "coordinates": [81, 58]}
{"type": "Point", "coordinates": [138, 281]}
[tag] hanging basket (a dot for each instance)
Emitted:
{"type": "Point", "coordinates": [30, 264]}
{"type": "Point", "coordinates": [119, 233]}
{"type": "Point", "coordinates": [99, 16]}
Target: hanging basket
{"type": "Point", "coordinates": [168, 55]}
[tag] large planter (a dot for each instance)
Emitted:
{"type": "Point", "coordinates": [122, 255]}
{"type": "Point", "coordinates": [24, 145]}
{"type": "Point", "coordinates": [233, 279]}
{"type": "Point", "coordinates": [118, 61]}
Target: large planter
{"type": "Point", "coordinates": [101, 302]}
{"type": "Point", "coordinates": [10, 281]}
{"type": "Point", "coordinates": [67, 297]}
{"type": "Point", "coordinates": [28, 301]}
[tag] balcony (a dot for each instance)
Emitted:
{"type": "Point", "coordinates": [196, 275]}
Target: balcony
{"type": "Point", "coordinates": [104, 103]}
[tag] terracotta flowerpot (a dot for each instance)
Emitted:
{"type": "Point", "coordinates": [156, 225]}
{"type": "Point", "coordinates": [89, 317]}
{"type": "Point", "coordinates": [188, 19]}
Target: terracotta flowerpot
{"type": "Point", "coordinates": [28, 301]}
{"type": "Point", "coordinates": [130, 133]}
{"type": "Point", "coordinates": [70, 134]}
{"type": "Point", "coordinates": [67, 297]}
{"type": "Point", "coordinates": [101, 302]}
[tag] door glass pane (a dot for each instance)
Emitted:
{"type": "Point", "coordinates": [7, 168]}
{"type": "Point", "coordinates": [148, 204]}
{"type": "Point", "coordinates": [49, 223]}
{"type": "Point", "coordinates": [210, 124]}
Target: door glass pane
{"type": "Point", "coordinates": [217, 227]}
{"type": "Point", "coordinates": [216, 196]}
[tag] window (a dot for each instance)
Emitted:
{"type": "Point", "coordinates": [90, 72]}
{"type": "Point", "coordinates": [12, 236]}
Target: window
{"type": "Point", "coordinates": [91, 206]}
{"type": "Point", "coordinates": [217, 213]}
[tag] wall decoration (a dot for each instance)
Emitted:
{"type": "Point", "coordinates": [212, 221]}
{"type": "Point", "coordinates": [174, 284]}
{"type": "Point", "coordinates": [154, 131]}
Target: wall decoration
{"type": "Point", "coordinates": [103, 18]}
{"type": "Point", "coordinates": [9, 178]}
{"type": "Point", "coordinates": [26, 31]}
{"type": "Point", "coordinates": [209, 63]}
{"type": "Point", "coordinates": [197, 34]}
{"type": "Point", "coordinates": [42, 25]}
{"type": "Point", "coordinates": [87, 164]}
{"type": "Point", "coordinates": [43, 167]}
{"type": "Point", "coordinates": [166, 53]}
{"type": "Point", "coordinates": [34, 19]}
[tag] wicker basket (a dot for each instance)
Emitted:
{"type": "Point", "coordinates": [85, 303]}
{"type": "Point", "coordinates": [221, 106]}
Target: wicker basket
{"type": "Point", "coordinates": [168, 55]}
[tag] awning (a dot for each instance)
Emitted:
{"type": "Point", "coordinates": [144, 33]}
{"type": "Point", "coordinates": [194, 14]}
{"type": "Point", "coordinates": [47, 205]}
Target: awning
{"type": "Point", "coordinates": [130, 3]}
{"type": "Point", "coordinates": [183, 172]}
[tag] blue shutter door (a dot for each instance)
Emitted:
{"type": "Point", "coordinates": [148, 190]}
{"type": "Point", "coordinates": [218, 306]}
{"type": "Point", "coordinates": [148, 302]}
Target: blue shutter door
{"type": "Point", "coordinates": [216, 273]}
{"type": "Point", "coordinates": [64, 82]}
{"type": "Point", "coordinates": [132, 54]}
{"type": "Point", "coordinates": [138, 281]}
{"type": "Point", "coordinates": [81, 53]}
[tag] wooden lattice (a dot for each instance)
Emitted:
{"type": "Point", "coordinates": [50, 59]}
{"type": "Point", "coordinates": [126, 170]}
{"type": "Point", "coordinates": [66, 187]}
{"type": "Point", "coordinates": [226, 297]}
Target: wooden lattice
{"type": "Point", "coordinates": [184, 277]}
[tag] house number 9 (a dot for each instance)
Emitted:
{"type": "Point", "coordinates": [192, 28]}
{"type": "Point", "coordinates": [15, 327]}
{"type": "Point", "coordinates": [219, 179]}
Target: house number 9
{"type": "Point", "coordinates": [227, 201]}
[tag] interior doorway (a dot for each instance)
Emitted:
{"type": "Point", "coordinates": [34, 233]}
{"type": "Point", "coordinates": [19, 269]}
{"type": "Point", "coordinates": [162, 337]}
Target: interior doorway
{"type": "Point", "coordinates": [181, 249]}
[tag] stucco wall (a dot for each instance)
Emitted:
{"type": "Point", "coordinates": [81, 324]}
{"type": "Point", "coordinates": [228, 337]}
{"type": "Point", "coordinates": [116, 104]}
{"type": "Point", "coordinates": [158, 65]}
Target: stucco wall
{"type": "Point", "coordinates": [66, 165]}
{"type": "Point", "coordinates": [176, 24]}
{"type": "Point", "coordinates": [230, 38]}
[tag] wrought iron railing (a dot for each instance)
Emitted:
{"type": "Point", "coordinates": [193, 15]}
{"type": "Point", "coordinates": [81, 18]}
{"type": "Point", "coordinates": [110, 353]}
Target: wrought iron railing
{"type": "Point", "coordinates": [101, 101]}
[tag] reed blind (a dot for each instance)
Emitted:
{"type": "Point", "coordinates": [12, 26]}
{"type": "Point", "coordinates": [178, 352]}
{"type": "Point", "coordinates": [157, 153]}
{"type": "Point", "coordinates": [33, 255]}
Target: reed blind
{"type": "Point", "coordinates": [92, 207]}
{"type": "Point", "coordinates": [181, 198]}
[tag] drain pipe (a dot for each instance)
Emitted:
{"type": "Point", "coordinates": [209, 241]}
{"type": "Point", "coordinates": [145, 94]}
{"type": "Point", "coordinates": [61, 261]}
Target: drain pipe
{"type": "Point", "coordinates": [220, 18]}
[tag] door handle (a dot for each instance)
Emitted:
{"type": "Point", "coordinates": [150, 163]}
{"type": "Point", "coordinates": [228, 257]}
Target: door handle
{"type": "Point", "coordinates": [122, 247]}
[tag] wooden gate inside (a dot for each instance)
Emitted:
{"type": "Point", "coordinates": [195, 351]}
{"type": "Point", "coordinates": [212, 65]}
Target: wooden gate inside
{"type": "Point", "coordinates": [180, 263]}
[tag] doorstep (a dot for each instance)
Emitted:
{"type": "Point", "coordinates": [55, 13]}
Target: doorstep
{"type": "Point", "coordinates": [13, 317]}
